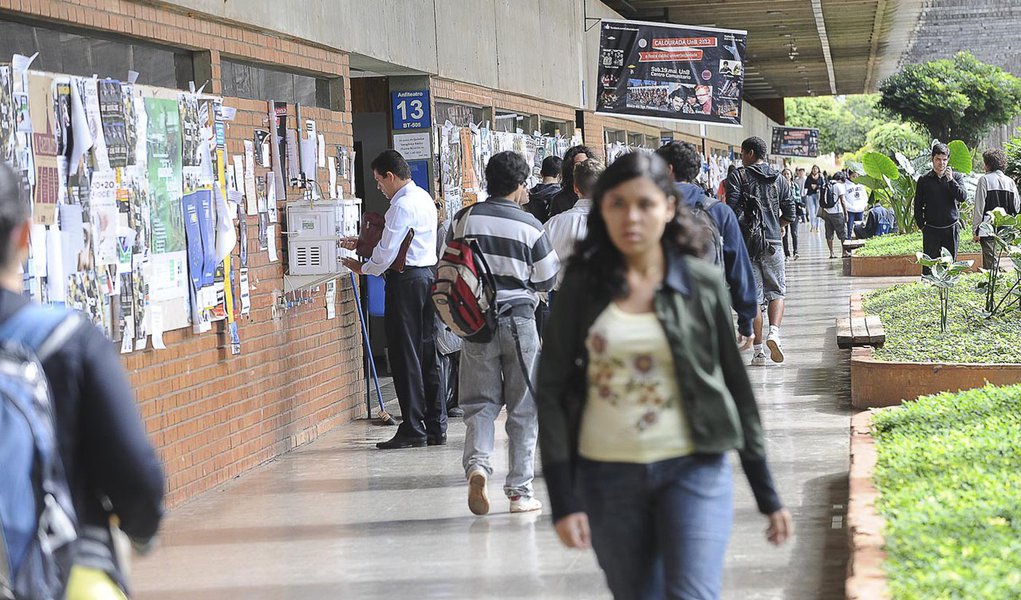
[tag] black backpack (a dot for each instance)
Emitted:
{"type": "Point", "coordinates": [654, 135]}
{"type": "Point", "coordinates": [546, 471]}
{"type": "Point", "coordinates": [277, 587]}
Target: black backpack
{"type": "Point", "coordinates": [714, 246]}
{"type": "Point", "coordinates": [827, 199]}
{"type": "Point", "coordinates": [755, 195]}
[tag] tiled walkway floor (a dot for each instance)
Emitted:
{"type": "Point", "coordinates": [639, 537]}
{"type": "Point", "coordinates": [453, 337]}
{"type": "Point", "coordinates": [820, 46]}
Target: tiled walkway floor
{"type": "Point", "coordinates": [339, 519]}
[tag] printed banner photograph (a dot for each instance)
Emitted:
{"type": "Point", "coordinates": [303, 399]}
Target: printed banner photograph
{"type": "Point", "coordinates": [671, 72]}
{"type": "Point", "coordinates": [795, 141]}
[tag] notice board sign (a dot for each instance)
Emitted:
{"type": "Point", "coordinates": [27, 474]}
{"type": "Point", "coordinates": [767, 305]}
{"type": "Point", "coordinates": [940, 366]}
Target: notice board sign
{"type": "Point", "coordinates": [795, 141]}
{"type": "Point", "coordinates": [674, 72]}
{"type": "Point", "coordinates": [410, 109]}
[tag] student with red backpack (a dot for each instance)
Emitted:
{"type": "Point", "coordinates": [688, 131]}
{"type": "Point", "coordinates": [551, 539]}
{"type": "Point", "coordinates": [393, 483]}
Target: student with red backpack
{"type": "Point", "coordinates": [511, 261]}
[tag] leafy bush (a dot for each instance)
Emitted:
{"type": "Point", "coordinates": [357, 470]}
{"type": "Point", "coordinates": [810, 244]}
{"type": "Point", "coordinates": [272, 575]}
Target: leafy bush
{"type": "Point", "coordinates": [909, 243]}
{"type": "Point", "coordinates": [948, 473]}
{"type": "Point", "coordinates": [911, 320]}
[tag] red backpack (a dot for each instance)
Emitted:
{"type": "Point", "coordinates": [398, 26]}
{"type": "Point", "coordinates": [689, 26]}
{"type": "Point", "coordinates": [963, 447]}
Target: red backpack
{"type": "Point", "coordinates": [464, 292]}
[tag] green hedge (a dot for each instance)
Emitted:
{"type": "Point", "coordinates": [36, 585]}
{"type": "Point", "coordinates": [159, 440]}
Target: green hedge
{"type": "Point", "coordinates": [949, 477]}
{"type": "Point", "coordinates": [910, 243]}
{"type": "Point", "coordinates": [910, 315]}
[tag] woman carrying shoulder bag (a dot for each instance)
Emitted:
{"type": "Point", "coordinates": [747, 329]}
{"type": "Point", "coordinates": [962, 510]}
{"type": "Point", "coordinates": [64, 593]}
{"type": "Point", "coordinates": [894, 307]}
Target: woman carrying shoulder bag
{"type": "Point", "coordinates": [642, 391]}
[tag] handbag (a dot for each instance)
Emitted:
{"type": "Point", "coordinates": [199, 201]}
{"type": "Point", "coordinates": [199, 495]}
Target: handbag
{"type": "Point", "coordinates": [371, 233]}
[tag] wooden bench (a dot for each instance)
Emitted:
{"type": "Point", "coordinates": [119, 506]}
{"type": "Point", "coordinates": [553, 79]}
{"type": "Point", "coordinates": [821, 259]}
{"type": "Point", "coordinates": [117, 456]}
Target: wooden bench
{"type": "Point", "coordinates": [860, 331]}
{"type": "Point", "coordinates": [850, 245]}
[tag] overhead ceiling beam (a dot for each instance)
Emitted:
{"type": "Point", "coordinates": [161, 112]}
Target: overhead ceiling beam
{"type": "Point", "coordinates": [820, 25]}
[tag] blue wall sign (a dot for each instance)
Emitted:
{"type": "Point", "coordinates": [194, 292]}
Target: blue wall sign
{"type": "Point", "coordinates": [410, 109]}
{"type": "Point", "coordinates": [420, 173]}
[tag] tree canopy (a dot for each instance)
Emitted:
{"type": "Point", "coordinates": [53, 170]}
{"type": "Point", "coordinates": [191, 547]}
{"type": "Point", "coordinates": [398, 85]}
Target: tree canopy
{"type": "Point", "coordinates": [843, 121]}
{"type": "Point", "coordinates": [958, 98]}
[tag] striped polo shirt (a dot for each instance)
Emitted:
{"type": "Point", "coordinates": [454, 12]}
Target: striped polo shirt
{"type": "Point", "coordinates": [515, 247]}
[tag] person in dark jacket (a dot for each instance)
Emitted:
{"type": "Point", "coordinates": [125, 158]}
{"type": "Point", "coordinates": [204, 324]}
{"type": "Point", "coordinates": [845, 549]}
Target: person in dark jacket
{"type": "Point", "coordinates": [758, 187]}
{"type": "Point", "coordinates": [938, 198]}
{"type": "Point", "coordinates": [541, 194]}
{"type": "Point", "coordinates": [642, 393]}
{"type": "Point", "coordinates": [684, 162]}
{"type": "Point", "coordinates": [566, 198]}
{"type": "Point", "coordinates": [111, 467]}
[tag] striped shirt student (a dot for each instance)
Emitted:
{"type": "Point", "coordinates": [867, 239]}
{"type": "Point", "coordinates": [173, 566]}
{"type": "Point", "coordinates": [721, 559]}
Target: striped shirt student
{"type": "Point", "coordinates": [516, 248]}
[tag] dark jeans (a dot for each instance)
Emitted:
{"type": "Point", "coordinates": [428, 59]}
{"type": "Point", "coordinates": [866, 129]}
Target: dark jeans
{"type": "Point", "coordinates": [792, 235]}
{"type": "Point", "coordinates": [660, 530]}
{"type": "Point", "coordinates": [450, 366]}
{"type": "Point", "coordinates": [934, 240]}
{"type": "Point", "coordinates": [410, 329]}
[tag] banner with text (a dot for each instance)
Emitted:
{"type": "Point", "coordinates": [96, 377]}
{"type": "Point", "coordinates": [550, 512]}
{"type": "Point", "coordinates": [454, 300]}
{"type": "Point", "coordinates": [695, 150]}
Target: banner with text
{"type": "Point", "coordinates": [671, 72]}
{"type": "Point", "coordinates": [795, 141]}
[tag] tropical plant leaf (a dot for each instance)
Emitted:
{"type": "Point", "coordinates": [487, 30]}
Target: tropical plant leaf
{"type": "Point", "coordinates": [960, 157]}
{"type": "Point", "coordinates": [905, 164]}
{"type": "Point", "coordinates": [879, 165]}
{"type": "Point", "coordinates": [870, 182]}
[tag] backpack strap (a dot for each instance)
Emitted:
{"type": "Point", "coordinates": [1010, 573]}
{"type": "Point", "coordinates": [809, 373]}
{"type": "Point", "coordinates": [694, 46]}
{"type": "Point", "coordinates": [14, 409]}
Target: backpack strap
{"type": "Point", "coordinates": [42, 329]}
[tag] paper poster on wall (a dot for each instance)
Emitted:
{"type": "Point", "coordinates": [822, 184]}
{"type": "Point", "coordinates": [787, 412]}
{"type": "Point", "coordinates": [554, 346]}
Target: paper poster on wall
{"type": "Point", "coordinates": [251, 196]}
{"type": "Point", "coordinates": [44, 149]}
{"type": "Point", "coordinates": [165, 179]}
{"type": "Point", "coordinates": [261, 138]}
{"type": "Point", "coordinates": [8, 123]}
{"type": "Point", "coordinates": [105, 216]}
{"type": "Point", "coordinates": [111, 107]}
{"type": "Point", "coordinates": [90, 100]}
{"type": "Point", "coordinates": [188, 106]}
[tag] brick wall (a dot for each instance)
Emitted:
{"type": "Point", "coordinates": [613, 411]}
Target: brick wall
{"type": "Point", "coordinates": [213, 415]}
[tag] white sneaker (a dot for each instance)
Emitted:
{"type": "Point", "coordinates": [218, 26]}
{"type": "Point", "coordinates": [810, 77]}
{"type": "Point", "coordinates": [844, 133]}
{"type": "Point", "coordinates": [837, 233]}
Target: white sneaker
{"type": "Point", "coordinates": [520, 504]}
{"type": "Point", "coordinates": [478, 497]}
{"type": "Point", "coordinates": [759, 360]}
{"type": "Point", "coordinates": [775, 349]}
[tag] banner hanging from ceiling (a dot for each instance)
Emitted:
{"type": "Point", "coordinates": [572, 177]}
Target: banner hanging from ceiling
{"type": "Point", "coordinates": [795, 141]}
{"type": "Point", "coordinates": [671, 72]}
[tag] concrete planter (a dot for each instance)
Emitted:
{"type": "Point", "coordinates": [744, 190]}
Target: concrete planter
{"type": "Point", "coordinates": [876, 383]}
{"type": "Point", "coordinates": [903, 265]}
{"type": "Point", "coordinates": [866, 579]}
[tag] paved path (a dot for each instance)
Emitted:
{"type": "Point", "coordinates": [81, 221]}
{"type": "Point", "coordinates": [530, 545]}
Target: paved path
{"type": "Point", "coordinates": [339, 519]}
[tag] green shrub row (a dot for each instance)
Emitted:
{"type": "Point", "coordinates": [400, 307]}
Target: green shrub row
{"type": "Point", "coordinates": [901, 244]}
{"type": "Point", "coordinates": [949, 477]}
{"type": "Point", "coordinates": [910, 315]}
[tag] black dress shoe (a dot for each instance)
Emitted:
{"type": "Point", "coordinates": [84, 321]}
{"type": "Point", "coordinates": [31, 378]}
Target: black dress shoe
{"type": "Point", "coordinates": [398, 441]}
{"type": "Point", "coordinates": [437, 440]}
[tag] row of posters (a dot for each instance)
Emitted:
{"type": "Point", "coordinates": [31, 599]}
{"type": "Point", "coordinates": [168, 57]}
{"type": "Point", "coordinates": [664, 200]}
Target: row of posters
{"type": "Point", "coordinates": [464, 151]}
{"type": "Point", "coordinates": [131, 223]}
{"type": "Point", "coordinates": [671, 72]}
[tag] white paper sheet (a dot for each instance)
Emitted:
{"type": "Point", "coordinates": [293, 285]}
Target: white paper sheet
{"type": "Point", "coordinates": [308, 157]}
{"type": "Point", "coordinates": [156, 327]}
{"type": "Point", "coordinates": [271, 199]}
{"type": "Point", "coordinates": [271, 235]}
{"type": "Point", "coordinates": [38, 240]}
{"type": "Point", "coordinates": [252, 197]}
{"type": "Point", "coordinates": [321, 147]}
{"type": "Point", "coordinates": [56, 280]}
{"type": "Point", "coordinates": [334, 192]}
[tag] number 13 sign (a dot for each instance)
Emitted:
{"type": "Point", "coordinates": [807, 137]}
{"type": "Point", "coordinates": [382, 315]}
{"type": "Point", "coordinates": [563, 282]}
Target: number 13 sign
{"type": "Point", "coordinates": [410, 109]}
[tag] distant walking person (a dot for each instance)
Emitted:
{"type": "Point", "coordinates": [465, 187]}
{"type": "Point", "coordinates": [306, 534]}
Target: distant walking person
{"type": "Point", "coordinates": [541, 195]}
{"type": "Point", "coordinates": [565, 198]}
{"type": "Point", "coordinates": [814, 185]}
{"type": "Point", "coordinates": [684, 163]}
{"type": "Point", "coordinates": [833, 202]}
{"type": "Point", "coordinates": [408, 311]}
{"type": "Point", "coordinates": [994, 190]}
{"type": "Point", "coordinates": [568, 228]}
{"type": "Point", "coordinates": [938, 198]}
{"type": "Point", "coordinates": [642, 393]}
{"type": "Point", "coordinates": [762, 200]}
{"type": "Point", "coordinates": [790, 238]}
{"type": "Point", "coordinates": [110, 465]}
{"type": "Point", "coordinates": [497, 373]}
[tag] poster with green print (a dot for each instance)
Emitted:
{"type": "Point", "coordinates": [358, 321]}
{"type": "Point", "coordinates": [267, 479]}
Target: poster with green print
{"type": "Point", "coordinates": [163, 141]}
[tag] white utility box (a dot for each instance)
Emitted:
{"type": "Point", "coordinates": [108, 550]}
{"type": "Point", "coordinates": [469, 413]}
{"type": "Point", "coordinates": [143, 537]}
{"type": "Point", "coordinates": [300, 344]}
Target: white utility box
{"type": "Point", "coordinates": [313, 231]}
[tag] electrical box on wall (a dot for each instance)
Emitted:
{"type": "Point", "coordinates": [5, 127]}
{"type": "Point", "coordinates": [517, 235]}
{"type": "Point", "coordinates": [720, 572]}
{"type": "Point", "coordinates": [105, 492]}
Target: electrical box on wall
{"type": "Point", "coordinates": [314, 230]}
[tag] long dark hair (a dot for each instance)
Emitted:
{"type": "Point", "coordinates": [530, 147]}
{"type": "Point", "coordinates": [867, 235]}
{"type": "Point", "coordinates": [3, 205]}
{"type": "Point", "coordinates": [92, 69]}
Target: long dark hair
{"type": "Point", "coordinates": [598, 259]}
